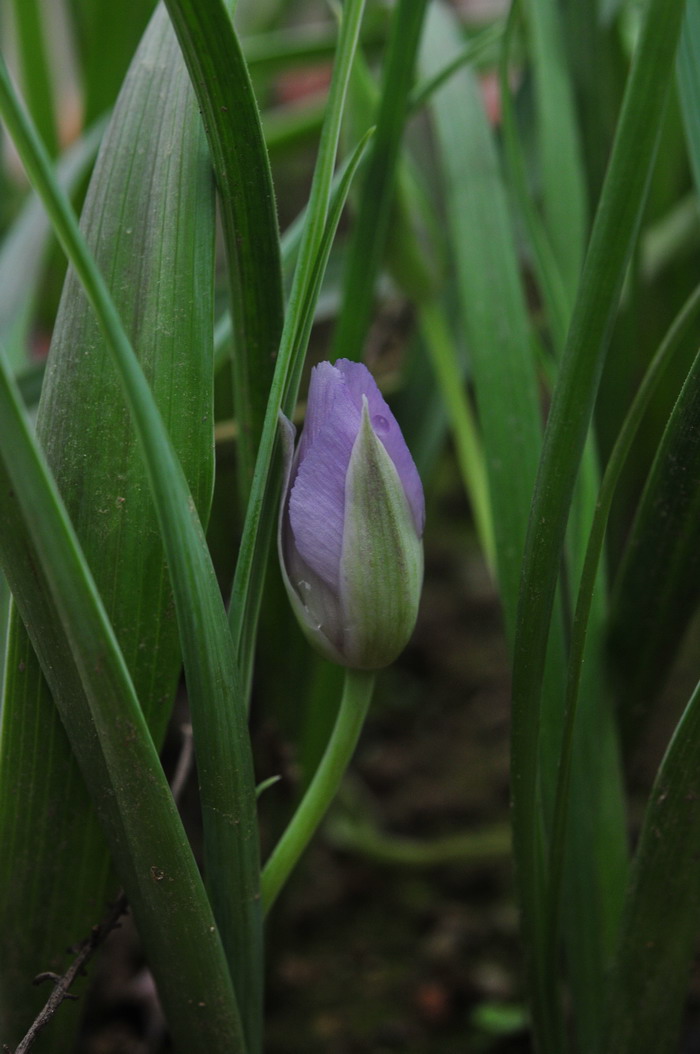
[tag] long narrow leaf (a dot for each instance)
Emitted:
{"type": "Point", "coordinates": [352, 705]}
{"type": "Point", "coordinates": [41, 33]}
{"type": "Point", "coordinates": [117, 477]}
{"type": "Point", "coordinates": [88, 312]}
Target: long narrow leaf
{"type": "Point", "coordinates": [560, 162]}
{"type": "Point", "coordinates": [220, 728]}
{"type": "Point", "coordinates": [36, 70]}
{"type": "Point", "coordinates": [162, 275]}
{"type": "Point", "coordinates": [367, 241]}
{"type": "Point", "coordinates": [658, 586]}
{"type": "Point", "coordinates": [59, 602]}
{"type": "Point", "coordinates": [614, 230]}
{"type": "Point", "coordinates": [220, 78]}
{"type": "Point", "coordinates": [261, 513]}
{"type": "Point", "coordinates": [492, 303]}
{"type": "Point", "coordinates": [25, 243]}
{"type": "Point", "coordinates": [662, 913]}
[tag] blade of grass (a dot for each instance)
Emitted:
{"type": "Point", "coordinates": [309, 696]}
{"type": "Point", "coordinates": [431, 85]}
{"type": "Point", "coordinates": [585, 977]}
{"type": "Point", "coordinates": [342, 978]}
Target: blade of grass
{"type": "Point", "coordinates": [494, 317]}
{"type": "Point", "coordinates": [219, 724]}
{"type": "Point", "coordinates": [443, 355]}
{"type": "Point", "coordinates": [261, 514]}
{"type": "Point", "coordinates": [59, 602]}
{"type": "Point", "coordinates": [492, 303]}
{"type": "Point", "coordinates": [688, 75]}
{"type": "Point", "coordinates": [560, 164]}
{"type": "Point", "coordinates": [25, 244]}
{"type": "Point", "coordinates": [220, 78]}
{"type": "Point", "coordinates": [658, 585]}
{"type": "Point", "coordinates": [595, 855]}
{"type": "Point", "coordinates": [368, 236]}
{"type": "Point", "coordinates": [662, 911]}
{"type": "Point", "coordinates": [613, 235]}
{"type": "Point", "coordinates": [645, 637]}
{"type": "Point", "coordinates": [616, 462]}
{"type": "Point", "coordinates": [247, 626]}
{"type": "Point", "coordinates": [36, 70]}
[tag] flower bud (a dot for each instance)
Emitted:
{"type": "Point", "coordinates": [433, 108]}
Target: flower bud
{"type": "Point", "coordinates": [351, 521]}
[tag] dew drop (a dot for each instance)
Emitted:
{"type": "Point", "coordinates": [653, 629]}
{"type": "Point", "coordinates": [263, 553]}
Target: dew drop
{"type": "Point", "coordinates": [380, 424]}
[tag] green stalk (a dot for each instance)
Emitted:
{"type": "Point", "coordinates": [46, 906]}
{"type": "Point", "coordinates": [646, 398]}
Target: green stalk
{"type": "Point", "coordinates": [357, 694]}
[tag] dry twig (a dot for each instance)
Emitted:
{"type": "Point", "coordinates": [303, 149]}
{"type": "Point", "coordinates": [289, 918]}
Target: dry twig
{"type": "Point", "coordinates": [87, 947]}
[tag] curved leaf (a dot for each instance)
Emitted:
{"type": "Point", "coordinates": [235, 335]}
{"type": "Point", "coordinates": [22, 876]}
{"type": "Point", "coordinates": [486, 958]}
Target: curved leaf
{"type": "Point", "coordinates": [162, 274]}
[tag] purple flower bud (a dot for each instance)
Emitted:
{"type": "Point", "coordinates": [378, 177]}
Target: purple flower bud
{"type": "Point", "coordinates": [351, 521]}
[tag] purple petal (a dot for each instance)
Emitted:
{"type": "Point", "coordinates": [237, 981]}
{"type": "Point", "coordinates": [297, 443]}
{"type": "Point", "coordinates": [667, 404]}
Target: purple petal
{"type": "Point", "coordinates": [360, 382]}
{"type": "Point", "coordinates": [323, 385]}
{"type": "Point", "coordinates": [317, 499]}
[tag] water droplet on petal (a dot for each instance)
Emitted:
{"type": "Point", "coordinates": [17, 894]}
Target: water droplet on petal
{"type": "Point", "coordinates": [380, 424]}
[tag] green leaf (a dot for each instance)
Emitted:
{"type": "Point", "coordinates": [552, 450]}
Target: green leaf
{"type": "Point", "coordinates": [36, 70]}
{"type": "Point", "coordinates": [369, 233]}
{"type": "Point", "coordinates": [320, 221]}
{"type": "Point", "coordinates": [107, 35]}
{"type": "Point", "coordinates": [613, 235]}
{"type": "Point", "coordinates": [658, 585]}
{"type": "Point", "coordinates": [220, 78]}
{"type": "Point", "coordinates": [162, 274]}
{"type": "Point", "coordinates": [688, 73]}
{"type": "Point", "coordinates": [94, 694]}
{"type": "Point", "coordinates": [220, 730]}
{"type": "Point", "coordinates": [25, 244]}
{"type": "Point", "coordinates": [491, 300]}
{"type": "Point", "coordinates": [560, 163]}
{"type": "Point", "coordinates": [662, 911]}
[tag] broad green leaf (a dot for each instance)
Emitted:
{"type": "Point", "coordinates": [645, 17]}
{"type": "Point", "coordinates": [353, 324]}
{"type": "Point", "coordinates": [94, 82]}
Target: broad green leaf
{"type": "Point", "coordinates": [94, 694]}
{"type": "Point", "coordinates": [162, 275]}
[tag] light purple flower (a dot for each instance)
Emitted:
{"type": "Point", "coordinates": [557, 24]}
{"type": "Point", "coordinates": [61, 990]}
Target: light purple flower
{"type": "Point", "coordinates": [351, 521]}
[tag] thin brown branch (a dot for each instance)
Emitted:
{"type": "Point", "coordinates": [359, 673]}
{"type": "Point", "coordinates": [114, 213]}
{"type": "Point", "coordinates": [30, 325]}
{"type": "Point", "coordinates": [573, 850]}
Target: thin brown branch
{"type": "Point", "coordinates": [87, 947]}
{"type": "Point", "coordinates": [63, 982]}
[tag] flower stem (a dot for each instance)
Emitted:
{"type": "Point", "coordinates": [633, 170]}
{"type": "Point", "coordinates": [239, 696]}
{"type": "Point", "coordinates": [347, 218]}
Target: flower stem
{"type": "Point", "coordinates": [357, 693]}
